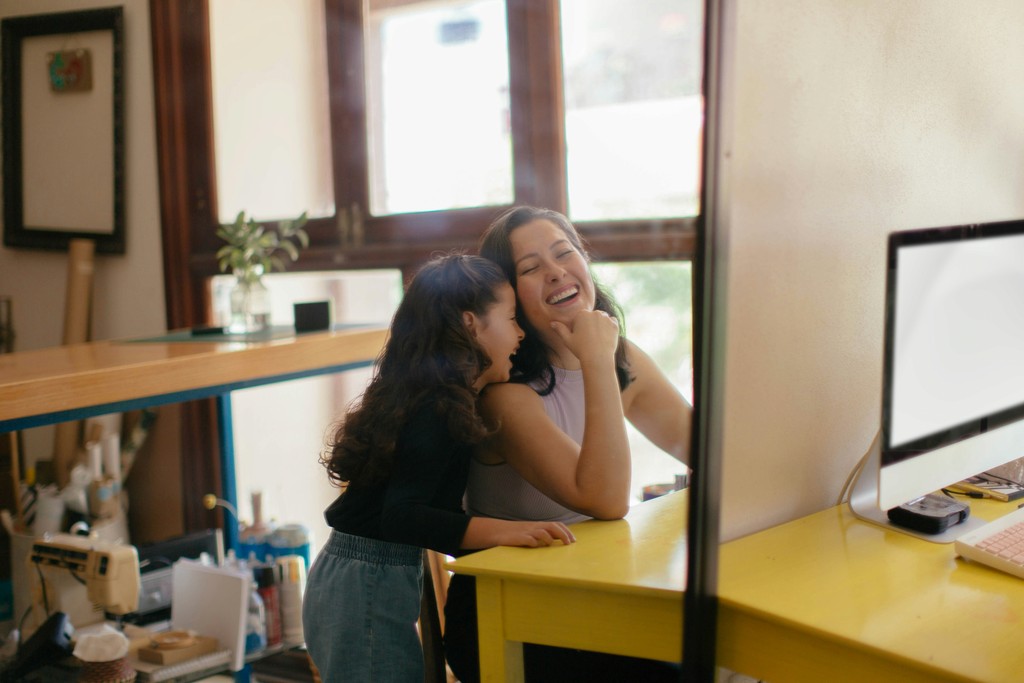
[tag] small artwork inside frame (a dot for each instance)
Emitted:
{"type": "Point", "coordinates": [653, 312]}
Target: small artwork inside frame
{"type": "Point", "coordinates": [63, 129]}
{"type": "Point", "coordinates": [70, 70]}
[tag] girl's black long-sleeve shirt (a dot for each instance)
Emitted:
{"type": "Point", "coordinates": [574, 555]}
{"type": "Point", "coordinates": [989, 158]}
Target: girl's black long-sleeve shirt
{"type": "Point", "coordinates": [421, 503]}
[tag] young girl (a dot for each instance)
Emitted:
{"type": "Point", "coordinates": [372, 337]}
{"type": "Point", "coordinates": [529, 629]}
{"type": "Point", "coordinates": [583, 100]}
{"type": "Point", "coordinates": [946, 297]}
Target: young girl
{"type": "Point", "coordinates": [402, 456]}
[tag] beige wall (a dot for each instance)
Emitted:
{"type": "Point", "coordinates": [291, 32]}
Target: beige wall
{"type": "Point", "coordinates": [129, 292]}
{"type": "Point", "coordinates": [849, 120]}
{"type": "Point", "coordinates": [128, 296]}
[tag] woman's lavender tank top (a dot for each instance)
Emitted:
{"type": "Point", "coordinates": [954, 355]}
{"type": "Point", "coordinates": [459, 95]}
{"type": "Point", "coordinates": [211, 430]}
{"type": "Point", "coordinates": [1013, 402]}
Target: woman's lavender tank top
{"type": "Point", "coordinates": [498, 490]}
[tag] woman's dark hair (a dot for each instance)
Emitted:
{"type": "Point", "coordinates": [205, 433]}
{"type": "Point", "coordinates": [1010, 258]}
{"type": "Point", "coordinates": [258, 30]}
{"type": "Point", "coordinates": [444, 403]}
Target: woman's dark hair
{"type": "Point", "coordinates": [531, 362]}
{"type": "Point", "coordinates": [430, 355]}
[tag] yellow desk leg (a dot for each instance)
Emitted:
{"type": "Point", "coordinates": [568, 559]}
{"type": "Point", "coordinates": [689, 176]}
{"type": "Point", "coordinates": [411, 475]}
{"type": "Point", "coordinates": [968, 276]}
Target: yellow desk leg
{"type": "Point", "coordinates": [501, 661]}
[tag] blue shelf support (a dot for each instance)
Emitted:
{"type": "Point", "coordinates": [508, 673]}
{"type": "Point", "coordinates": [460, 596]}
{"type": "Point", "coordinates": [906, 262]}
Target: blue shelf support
{"type": "Point", "coordinates": [229, 492]}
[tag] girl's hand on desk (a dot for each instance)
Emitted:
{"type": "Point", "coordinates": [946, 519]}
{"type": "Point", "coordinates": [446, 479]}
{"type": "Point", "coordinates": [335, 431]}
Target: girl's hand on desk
{"type": "Point", "coordinates": [484, 532]}
{"type": "Point", "coordinates": [537, 534]}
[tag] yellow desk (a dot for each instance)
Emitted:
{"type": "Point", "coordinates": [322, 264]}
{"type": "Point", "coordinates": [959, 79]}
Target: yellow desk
{"type": "Point", "coordinates": [831, 598]}
{"type": "Point", "coordinates": [618, 589]}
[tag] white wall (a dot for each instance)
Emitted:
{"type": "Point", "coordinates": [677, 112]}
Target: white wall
{"type": "Point", "coordinates": [850, 120]}
{"type": "Point", "coordinates": [280, 429]}
{"type": "Point", "coordinates": [128, 290]}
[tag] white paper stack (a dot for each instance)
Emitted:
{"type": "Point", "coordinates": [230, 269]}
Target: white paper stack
{"type": "Point", "coordinates": [212, 601]}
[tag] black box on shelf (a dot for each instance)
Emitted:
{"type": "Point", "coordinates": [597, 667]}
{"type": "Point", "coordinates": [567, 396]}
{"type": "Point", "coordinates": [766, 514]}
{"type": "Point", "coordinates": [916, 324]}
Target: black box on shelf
{"type": "Point", "coordinates": [311, 316]}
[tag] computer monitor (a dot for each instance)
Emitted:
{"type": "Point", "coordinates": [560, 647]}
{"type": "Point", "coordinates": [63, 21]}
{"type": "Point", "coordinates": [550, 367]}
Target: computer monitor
{"type": "Point", "coordinates": [953, 369]}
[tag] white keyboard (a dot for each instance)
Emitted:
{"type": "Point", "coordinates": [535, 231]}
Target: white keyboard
{"type": "Point", "coordinates": [999, 543]}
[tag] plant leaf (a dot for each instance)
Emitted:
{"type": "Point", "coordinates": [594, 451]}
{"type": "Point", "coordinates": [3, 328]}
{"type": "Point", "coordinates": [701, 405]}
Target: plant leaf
{"type": "Point", "coordinates": [251, 246]}
{"type": "Point", "coordinates": [293, 252]}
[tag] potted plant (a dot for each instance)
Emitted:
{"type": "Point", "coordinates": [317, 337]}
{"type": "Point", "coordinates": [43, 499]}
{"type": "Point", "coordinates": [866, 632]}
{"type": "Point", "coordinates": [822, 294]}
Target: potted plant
{"type": "Point", "coordinates": [253, 250]}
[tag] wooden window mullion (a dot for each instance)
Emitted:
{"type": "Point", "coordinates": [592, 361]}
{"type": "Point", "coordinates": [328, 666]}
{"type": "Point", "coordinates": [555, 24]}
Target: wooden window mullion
{"type": "Point", "coordinates": [538, 130]}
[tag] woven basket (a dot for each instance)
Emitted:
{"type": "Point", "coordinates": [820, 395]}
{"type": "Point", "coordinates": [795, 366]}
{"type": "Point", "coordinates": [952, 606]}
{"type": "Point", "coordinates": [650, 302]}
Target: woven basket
{"type": "Point", "coordinates": [114, 671]}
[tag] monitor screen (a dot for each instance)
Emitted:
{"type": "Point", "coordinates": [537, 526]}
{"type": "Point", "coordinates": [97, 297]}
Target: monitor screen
{"type": "Point", "coordinates": [953, 376]}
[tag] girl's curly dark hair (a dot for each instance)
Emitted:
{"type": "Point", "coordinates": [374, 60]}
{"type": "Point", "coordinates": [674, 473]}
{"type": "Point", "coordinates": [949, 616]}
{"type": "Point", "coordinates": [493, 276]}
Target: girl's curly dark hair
{"type": "Point", "coordinates": [430, 355]}
{"type": "Point", "coordinates": [531, 361]}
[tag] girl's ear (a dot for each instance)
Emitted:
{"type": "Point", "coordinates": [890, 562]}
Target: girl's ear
{"type": "Point", "coordinates": [470, 321]}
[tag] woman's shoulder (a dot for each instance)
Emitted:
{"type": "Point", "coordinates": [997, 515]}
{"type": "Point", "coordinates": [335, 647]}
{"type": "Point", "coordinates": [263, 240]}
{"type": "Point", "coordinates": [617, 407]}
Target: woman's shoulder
{"type": "Point", "coordinates": [506, 395]}
{"type": "Point", "coordinates": [503, 391]}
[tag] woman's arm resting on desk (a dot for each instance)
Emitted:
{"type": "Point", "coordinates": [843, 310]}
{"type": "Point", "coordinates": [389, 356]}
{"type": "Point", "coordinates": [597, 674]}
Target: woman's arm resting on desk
{"type": "Point", "coordinates": [656, 408]}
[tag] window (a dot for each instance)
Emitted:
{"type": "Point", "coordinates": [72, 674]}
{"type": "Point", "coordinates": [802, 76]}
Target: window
{"type": "Point", "coordinates": [268, 70]}
{"type": "Point", "coordinates": [437, 102]}
{"type": "Point", "coordinates": [445, 111]}
{"type": "Point", "coordinates": [421, 119]}
{"type": "Point", "coordinates": [631, 84]}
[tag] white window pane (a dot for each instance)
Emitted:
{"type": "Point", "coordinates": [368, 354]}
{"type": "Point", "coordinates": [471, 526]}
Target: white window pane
{"type": "Point", "coordinates": [633, 110]}
{"type": "Point", "coordinates": [279, 429]}
{"type": "Point", "coordinates": [438, 106]}
{"type": "Point", "coordinates": [270, 108]}
{"type": "Point", "coordinates": [656, 299]}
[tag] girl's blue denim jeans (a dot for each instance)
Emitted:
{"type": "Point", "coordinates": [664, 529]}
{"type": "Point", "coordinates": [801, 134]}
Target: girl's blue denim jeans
{"type": "Point", "coordinates": [360, 609]}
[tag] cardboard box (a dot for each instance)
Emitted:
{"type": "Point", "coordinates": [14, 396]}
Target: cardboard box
{"type": "Point", "coordinates": [164, 655]}
{"type": "Point", "coordinates": [104, 498]}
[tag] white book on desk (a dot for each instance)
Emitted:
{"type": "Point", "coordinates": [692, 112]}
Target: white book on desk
{"type": "Point", "coordinates": [212, 601]}
{"type": "Point", "coordinates": [152, 673]}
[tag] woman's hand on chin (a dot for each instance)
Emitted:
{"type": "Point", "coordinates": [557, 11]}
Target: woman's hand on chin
{"type": "Point", "coordinates": [593, 335]}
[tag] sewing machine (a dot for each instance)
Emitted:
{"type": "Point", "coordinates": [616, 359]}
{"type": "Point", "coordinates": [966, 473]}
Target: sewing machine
{"type": "Point", "coordinates": [110, 573]}
{"type": "Point", "coordinates": [78, 581]}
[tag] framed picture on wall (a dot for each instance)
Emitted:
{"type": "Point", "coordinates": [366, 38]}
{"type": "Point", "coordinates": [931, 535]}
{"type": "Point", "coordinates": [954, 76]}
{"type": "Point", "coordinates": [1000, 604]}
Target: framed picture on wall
{"type": "Point", "coordinates": [63, 129]}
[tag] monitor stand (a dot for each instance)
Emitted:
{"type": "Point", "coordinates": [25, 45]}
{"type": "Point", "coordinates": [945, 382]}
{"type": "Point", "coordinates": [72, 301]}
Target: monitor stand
{"type": "Point", "coordinates": [864, 503]}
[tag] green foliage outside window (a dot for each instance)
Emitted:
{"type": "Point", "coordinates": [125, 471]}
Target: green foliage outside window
{"type": "Point", "coordinates": [656, 298]}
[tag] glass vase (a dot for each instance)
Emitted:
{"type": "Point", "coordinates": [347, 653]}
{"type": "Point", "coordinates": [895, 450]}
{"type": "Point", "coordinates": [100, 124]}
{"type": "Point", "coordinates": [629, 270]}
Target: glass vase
{"type": "Point", "coordinates": [250, 304]}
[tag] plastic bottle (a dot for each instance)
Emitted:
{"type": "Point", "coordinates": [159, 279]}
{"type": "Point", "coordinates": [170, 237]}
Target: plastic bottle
{"type": "Point", "coordinates": [291, 539]}
{"type": "Point", "coordinates": [266, 585]}
{"type": "Point", "coordinates": [255, 624]}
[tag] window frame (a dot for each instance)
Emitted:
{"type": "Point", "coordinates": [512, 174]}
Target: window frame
{"type": "Point", "coordinates": [538, 134]}
{"type": "Point", "coordinates": [536, 131]}
{"type": "Point", "coordinates": [352, 238]}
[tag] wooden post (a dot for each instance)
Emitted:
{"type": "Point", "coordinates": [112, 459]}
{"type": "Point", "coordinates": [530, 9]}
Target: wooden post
{"type": "Point", "coordinates": [77, 309]}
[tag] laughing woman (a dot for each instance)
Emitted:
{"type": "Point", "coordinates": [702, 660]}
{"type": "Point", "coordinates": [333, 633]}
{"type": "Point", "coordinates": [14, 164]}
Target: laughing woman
{"type": "Point", "coordinates": [560, 450]}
